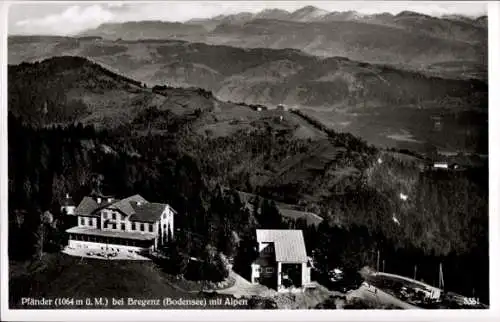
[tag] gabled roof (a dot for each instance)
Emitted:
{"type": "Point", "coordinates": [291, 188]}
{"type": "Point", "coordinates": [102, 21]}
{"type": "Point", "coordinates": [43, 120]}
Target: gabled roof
{"type": "Point", "coordinates": [150, 211]}
{"type": "Point", "coordinates": [289, 245]}
{"type": "Point", "coordinates": [86, 207]}
{"type": "Point", "coordinates": [125, 205]}
{"type": "Point", "coordinates": [138, 208]}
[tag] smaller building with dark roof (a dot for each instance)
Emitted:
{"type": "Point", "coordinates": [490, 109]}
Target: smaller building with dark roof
{"type": "Point", "coordinates": [68, 205]}
{"type": "Point", "coordinates": [120, 225]}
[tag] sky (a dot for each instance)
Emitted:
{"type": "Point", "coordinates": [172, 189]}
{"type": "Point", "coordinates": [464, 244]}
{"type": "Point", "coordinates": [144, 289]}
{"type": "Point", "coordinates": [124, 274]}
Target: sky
{"type": "Point", "coordinates": [66, 18]}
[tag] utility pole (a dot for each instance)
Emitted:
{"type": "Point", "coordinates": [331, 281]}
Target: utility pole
{"type": "Point", "coordinates": [441, 278]}
{"type": "Point", "coordinates": [415, 273]}
{"type": "Point", "coordinates": [383, 265]}
{"type": "Point", "coordinates": [378, 260]}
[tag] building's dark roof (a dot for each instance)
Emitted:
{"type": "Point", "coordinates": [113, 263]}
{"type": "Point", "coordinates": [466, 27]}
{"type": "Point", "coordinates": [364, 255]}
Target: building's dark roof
{"type": "Point", "coordinates": [289, 245]}
{"type": "Point", "coordinates": [150, 211]}
{"type": "Point", "coordinates": [309, 217]}
{"type": "Point", "coordinates": [86, 207]}
{"type": "Point", "coordinates": [125, 205]}
{"type": "Point", "coordinates": [138, 208]}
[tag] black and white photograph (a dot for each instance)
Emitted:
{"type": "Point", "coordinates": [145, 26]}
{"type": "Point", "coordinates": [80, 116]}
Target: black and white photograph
{"type": "Point", "coordinates": [247, 155]}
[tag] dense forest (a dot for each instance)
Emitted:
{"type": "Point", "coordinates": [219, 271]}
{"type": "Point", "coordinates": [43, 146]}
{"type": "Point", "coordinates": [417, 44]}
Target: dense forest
{"type": "Point", "coordinates": [188, 172]}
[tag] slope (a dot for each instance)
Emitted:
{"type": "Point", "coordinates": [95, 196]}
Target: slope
{"type": "Point", "coordinates": [64, 90]}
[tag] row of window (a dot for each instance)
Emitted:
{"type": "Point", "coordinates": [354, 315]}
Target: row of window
{"type": "Point", "coordinates": [110, 240]}
{"type": "Point", "coordinates": [92, 222]}
{"type": "Point", "coordinates": [113, 216]}
{"type": "Point", "coordinates": [134, 226]}
{"type": "Point", "coordinates": [267, 269]}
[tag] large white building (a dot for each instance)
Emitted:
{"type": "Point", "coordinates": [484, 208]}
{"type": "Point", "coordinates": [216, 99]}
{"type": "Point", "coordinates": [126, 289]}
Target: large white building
{"type": "Point", "coordinates": [128, 225]}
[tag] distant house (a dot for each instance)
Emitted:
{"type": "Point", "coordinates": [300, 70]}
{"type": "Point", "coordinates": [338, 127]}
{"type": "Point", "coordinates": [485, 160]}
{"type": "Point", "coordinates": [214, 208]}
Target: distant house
{"type": "Point", "coordinates": [132, 224]}
{"type": "Point", "coordinates": [440, 165]}
{"type": "Point", "coordinates": [68, 205]}
{"type": "Point", "coordinates": [258, 107]}
{"type": "Point", "coordinates": [282, 260]}
{"type": "Point", "coordinates": [282, 107]}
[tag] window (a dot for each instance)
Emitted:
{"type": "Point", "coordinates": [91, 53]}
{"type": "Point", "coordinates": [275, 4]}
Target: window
{"type": "Point", "coordinates": [114, 226]}
{"type": "Point", "coordinates": [82, 221]}
{"type": "Point", "coordinates": [113, 215]}
{"type": "Point", "coordinates": [151, 228]}
{"type": "Point", "coordinates": [133, 225]}
{"type": "Point", "coordinates": [269, 269]}
{"type": "Point", "coordinates": [142, 227]}
{"type": "Point", "coordinates": [164, 216]}
{"type": "Point", "coordinates": [123, 226]}
{"type": "Point", "coordinates": [106, 224]}
{"type": "Point", "coordinates": [94, 222]}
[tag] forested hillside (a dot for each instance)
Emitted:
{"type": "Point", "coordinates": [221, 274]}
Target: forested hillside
{"type": "Point", "coordinates": [163, 156]}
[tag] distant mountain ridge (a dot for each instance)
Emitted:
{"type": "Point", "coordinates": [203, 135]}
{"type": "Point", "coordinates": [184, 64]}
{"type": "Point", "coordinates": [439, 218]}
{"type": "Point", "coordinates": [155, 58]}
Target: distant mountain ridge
{"type": "Point", "coordinates": [407, 39]}
{"type": "Point", "coordinates": [312, 13]}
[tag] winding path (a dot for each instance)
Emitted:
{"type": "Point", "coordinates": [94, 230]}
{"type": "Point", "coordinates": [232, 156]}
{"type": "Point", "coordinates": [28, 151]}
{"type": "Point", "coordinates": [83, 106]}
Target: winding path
{"type": "Point", "coordinates": [242, 287]}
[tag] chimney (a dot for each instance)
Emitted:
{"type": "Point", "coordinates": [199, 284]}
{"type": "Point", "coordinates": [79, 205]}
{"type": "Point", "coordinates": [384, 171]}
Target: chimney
{"type": "Point", "coordinates": [67, 196]}
{"type": "Point", "coordinates": [98, 200]}
{"type": "Point", "coordinates": [110, 199]}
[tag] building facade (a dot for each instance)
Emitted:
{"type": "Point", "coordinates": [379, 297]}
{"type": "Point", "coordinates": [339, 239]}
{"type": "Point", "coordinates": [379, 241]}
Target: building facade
{"type": "Point", "coordinates": [68, 206]}
{"type": "Point", "coordinates": [130, 225]}
{"type": "Point", "coordinates": [282, 262]}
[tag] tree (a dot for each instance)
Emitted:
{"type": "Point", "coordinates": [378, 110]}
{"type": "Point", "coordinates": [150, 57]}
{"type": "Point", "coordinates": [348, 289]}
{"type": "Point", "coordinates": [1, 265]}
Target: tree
{"type": "Point", "coordinates": [213, 267]}
{"type": "Point", "coordinates": [40, 233]}
{"type": "Point", "coordinates": [246, 255]}
{"type": "Point", "coordinates": [177, 262]}
{"type": "Point", "coordinates": [270, 216]}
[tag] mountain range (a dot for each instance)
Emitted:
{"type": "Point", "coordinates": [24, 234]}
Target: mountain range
{"type": "Point", "coordinates": [408, 38]}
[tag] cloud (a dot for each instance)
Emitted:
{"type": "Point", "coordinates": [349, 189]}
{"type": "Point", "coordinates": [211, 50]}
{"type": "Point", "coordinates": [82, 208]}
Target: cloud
{"type": "Point", "coordinates": [63, 20]}
{"type": "Point", "coordinates": [115, 4]}
{"type": "Point", "coordinates": [69, 21]}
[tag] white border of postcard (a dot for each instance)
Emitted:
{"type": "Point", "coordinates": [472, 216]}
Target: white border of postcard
{"type": "Point", "coordinates": [493, 313]}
